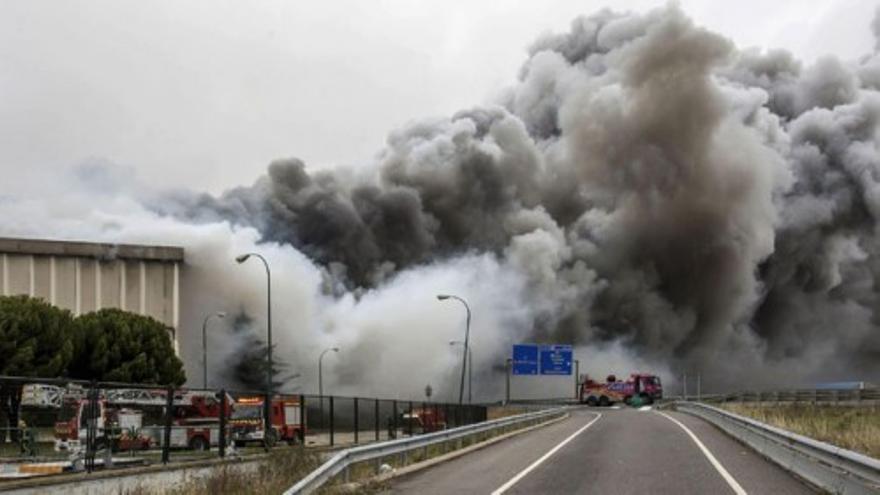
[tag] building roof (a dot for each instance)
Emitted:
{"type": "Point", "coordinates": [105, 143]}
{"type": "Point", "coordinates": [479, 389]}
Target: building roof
{"type": "Point", "coordinates": [97, 250]}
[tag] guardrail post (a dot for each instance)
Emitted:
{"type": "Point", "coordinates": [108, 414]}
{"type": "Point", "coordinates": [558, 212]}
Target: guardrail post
{"type": "Point", "coordinates": [331, 420]}
{"type": "Point", "coordinates": [378, 425]}
{"type": "Point", "coordinates": [169, 417]}
{"type": "Point", "coordinates": [302, 419]}
{"type": "Point", "coordinates": [221, 437]}
{"type": "Point", "coordinates": [355, 421]}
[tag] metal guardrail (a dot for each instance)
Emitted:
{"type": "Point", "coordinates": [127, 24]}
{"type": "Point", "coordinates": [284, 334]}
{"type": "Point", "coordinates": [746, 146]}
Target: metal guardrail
{"type": "Point", "coordinates": [376, 451]}
{"type": "Point", "coordinates": [863, 396]}
{"type": "Point", "coordinates": [832, 469]}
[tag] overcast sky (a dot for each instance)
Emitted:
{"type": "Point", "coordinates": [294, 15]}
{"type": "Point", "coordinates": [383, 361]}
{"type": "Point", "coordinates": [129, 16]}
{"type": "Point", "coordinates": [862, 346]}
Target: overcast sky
{"type": "Point", "coordinates": [205, 94]}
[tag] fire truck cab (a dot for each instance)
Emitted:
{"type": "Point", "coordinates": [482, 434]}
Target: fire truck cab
{"type": "Point", "coordinates": [248, 425]}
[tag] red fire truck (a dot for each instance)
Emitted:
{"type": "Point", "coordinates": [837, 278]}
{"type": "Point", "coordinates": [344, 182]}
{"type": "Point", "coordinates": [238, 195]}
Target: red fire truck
{"type": "Point", "coordinates": [423, 420]}
{"type": "Point", "coordinates": [645, 387]}
{"type": "Point", "coordinates": [133, 419]}
{"type": "Point", "coordinates": [248, 425]}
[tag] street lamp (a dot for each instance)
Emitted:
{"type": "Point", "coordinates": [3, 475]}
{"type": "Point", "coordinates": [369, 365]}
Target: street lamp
{"type": "Point", "coordinates": [320, 370]}
{"type": "Point", "coordinates": [219, 314]}
{"type": "Point", "coordinates": [266, 403]}
{"type": "Point", "coordinates": [470, 369]}
{"type": "Point", "coordinates": [467, 332]}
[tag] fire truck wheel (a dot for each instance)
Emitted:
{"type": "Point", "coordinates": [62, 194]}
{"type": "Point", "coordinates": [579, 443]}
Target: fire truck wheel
{"type": "Point", "coordinates": [604, 401]}
{"type": "Point", "coordinates": [198, 443]}
{"type": "Point", "coordinates": [646, 399]}
{"type": "Point", "coordinates": [591, 401]}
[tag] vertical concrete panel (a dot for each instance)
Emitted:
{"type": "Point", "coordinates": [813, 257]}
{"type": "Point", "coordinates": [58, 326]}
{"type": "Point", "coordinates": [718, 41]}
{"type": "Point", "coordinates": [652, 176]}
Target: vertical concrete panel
{"type": "Point", "coordinates": [168, 294]}
{"type": "Point", "coordinates": [65, 283]}
{"type": "Point", "coordinates": [19, 273]}
{"type": "Point", "coordinates": [155, 281]}
{"type": "Point", "coordinates": [110, 284]}
{"type": "Point", "coordinates": [133, 286]}
{"type": "Point", "coordinates": [87, 271]}
{"type": "Point", "coordinates": [42, 278]}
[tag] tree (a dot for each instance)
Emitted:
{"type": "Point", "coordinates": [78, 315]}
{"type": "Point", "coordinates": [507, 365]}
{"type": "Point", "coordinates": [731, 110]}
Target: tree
{"type": "Point", "coordinates": [250, 364]}
{"type": "Point", "coordinates": [35, 340]}
{"type": "Point", "coordinates": [115, 345]}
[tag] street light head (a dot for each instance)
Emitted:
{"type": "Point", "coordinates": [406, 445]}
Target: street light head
{"type": "Point", "coordinates": [455, 342]}
{"type": "Point", "coordinates": [221, 314]}
{"type": "Point", "coordinates": [242, 258]}
{"type": "Point", "coordinates": [443, 297]}
{"type": "Point", "coordinates": [335, 349]}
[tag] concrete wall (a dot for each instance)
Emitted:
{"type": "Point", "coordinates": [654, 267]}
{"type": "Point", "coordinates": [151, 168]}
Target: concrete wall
{"type": "Point", "coordinates": [84, 277]}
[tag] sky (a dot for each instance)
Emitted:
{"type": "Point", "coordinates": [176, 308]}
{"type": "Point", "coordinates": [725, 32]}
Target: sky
{"type": "Point", "coordinates": [203, 95]}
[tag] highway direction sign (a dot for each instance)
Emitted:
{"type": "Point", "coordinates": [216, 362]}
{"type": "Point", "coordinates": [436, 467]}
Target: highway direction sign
{"type": "Point", "coordinates": [525, 359]}
{"type": "Point", "coordinates": [555, 359]}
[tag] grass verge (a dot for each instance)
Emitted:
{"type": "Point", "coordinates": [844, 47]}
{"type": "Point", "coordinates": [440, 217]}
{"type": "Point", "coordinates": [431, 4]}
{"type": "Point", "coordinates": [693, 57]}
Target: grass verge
{"type": "Point", "coordinates": [855, 428]}
{"type": "Point", "coordinates": [281, 470]}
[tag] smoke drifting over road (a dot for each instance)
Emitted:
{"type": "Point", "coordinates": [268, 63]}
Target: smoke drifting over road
{"type": "Point", "coordinates": [646, 189]}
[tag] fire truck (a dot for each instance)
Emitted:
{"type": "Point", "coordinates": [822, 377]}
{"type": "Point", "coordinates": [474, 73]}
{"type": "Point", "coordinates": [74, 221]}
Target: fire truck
{"type": "Point", "coordinates": [248, 425]}
{"type": "Point", "coordinates": [639, 387]}
{"type": "Point", "coordinates": [423, 420]}
{"type": "Point", "coordinates": [133, 419]}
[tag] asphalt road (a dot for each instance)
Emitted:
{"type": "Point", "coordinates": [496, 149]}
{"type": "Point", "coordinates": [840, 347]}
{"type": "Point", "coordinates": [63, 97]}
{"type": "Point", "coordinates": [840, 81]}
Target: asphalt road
{"type": "Point", "coordinates": [624, 451]}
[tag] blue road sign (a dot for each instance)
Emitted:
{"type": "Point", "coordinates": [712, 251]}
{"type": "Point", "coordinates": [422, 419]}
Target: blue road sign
{"type": "Point", "coordinates": [525, 359]}
{"type": "Point", "coordinates": [555, 359]}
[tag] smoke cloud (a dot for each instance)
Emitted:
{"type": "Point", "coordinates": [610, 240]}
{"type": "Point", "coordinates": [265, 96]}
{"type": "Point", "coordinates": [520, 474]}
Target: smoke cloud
{"type": "Point", "coordinates": [645, 191]}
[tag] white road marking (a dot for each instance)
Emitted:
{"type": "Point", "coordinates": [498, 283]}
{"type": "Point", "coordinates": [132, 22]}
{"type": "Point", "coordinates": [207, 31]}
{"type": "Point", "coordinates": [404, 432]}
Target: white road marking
{"type": "Point", "coordinates": [717, 465]}
{"type": "Point", "coordinates": [503, 488]}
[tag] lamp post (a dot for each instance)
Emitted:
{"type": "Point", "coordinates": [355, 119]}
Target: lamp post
{"type": "Point", "coordinates": [470, 369]}
{"type": "Point", "coordinates": [467, 332]}
{"type": "Point", "coordinates": [219, 314]}
{"type": "Point", "coordinates": [266, 403]}
{"type": "Point", "coordinates": [320, 370]}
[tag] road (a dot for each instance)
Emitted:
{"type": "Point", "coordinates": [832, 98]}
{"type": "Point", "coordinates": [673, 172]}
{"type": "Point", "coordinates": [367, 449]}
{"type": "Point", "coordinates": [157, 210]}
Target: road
{"type": "Point", "coordinates": [615, 451]}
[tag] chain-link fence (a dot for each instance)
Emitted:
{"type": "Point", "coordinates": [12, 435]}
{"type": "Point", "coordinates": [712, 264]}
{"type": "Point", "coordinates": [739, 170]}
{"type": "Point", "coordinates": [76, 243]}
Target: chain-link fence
{"type": "Point", "coordinates": [52, 426]}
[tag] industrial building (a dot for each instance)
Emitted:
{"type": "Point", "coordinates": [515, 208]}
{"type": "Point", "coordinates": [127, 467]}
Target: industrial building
{"type": "Point", "coordinates": [85, 276]}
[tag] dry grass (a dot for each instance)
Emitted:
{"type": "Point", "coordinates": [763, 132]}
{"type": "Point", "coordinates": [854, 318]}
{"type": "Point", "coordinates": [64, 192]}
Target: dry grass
{"type": "Point", "coordinates": [854, 428]}
{"type": "Point", "coordinates": [281, 470]}
{"type": "Point", "coordinates": [497, 412]}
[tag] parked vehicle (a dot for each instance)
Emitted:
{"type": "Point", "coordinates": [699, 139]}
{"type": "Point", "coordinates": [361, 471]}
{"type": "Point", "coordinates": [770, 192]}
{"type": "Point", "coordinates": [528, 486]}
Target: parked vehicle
{"type": "Point", "coordinates": [423, 420]}
{"type": "Point", "coordinates": [133, 419]}
{"type": "Point", "coordinates": [248, 424]}
{"type": "Point", "coordinates": [641, 387]}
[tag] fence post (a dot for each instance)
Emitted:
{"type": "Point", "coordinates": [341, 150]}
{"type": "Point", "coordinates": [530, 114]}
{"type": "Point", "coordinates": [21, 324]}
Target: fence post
{"type": "Point", "coordinates": [376, 403]}
{"type": "Point", "coordinates": [169, 416]}
{"type": "Point", "coordinates": [221, 437]}
{"type": "Point", "coordinates": [356, 420]}
{"type": "Point", "coordinates": [91, 410]}
{"type": "Point", "coordinates": [302, 419]}
{"type": "Point", "coordinates": [393, 419]}
{"type": "Point", "coordinates": [331, 420]}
